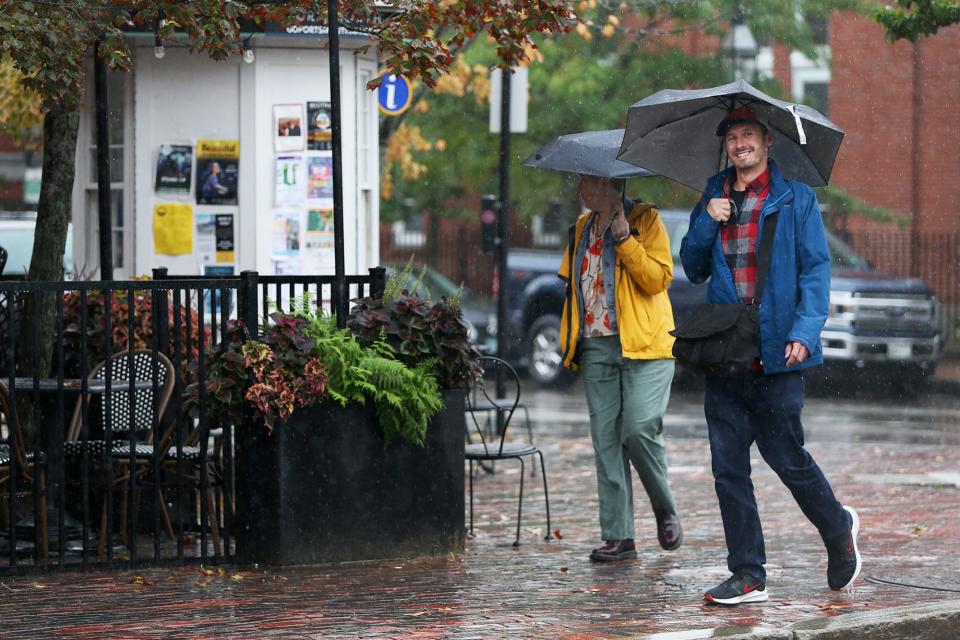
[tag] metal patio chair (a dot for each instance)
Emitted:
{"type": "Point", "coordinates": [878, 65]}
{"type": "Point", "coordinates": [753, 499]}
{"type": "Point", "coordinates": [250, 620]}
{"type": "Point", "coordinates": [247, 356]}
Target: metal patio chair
{"type": "Point", "coordinates": [493, 445]}
{"type": "Point", "coordinates": [121, 423]}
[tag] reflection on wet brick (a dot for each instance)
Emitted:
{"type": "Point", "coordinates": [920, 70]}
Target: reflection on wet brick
{"type": "Point", "coordinates": [543, 589]}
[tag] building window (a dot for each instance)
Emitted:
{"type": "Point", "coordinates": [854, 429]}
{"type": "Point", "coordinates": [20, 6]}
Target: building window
{"type": "Point", "coordinates": [120, 232]}
{"type": "Point", "coordinates": [817, 95]}
{"type": "Point", "coordinates": [819, 24]}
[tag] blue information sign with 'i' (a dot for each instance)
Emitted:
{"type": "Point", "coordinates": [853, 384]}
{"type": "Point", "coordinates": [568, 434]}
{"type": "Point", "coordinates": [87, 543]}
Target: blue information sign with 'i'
{"type": "Point", "coordinates": [394, 95]}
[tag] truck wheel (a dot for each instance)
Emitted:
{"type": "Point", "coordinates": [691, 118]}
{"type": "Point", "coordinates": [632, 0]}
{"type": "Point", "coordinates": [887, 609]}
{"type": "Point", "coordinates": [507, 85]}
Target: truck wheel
{"type": "Point", "coordinates": [545, 356]}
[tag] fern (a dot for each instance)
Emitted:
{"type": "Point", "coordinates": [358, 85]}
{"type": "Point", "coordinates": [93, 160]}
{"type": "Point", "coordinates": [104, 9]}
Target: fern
{"type": "Point", "coordinates": [397, 282]}
{"type": "Point", "coordinates": [404, 399]}
{"type": "Point", "coordinates": [303, 305]}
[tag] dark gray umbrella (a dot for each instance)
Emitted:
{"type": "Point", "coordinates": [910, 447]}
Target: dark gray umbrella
{"type": "Point", "coordinates": [589, 152]}
{"type": "Point", "coordinates": [673, 133]}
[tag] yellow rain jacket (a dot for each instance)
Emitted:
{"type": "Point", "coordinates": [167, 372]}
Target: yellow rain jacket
{"type": "Point", "coordinates": [644, 269]}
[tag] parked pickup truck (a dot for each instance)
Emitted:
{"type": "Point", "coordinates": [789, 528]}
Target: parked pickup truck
{"type": "Point", "coordinates": [877, 321]}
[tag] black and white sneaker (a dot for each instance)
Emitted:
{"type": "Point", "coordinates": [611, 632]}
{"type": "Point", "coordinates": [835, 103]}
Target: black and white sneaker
{"type": "Point", "coordinates": [843, 556]}
{"type": "Point", "coordinates": [737, 590]}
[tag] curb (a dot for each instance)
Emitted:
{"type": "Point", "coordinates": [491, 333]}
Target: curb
{"type": "Point", "coordinates": [938, 621]}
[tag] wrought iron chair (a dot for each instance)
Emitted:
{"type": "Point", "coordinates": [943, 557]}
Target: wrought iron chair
{"type": "Point", "coordinates": [29, 474]}
{"type": "Point", "coordinates": [493, 410]}
{"type": "Point", "coordinates": [189, 459]}
{"type": "Point", "coordinates": [493, 444]}
{"type": "Point", "coordinates": [120, 422]}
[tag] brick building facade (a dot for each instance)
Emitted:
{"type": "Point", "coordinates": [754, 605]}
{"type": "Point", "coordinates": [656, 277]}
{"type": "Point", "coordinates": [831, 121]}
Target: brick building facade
{"type": "Point", "coordinates": [900, 106]}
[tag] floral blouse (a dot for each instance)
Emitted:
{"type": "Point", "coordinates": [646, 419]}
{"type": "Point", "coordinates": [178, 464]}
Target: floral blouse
{"type": "Point", "coordinates": [596, 314]}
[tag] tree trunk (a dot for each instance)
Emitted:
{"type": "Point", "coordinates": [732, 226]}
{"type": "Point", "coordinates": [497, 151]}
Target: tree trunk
{"type": "Point", "coordinates": [38, 313]}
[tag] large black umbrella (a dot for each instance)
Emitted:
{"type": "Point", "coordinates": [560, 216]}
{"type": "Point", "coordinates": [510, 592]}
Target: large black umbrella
{"type": "Point", "coordinates": [589, 152]}
{"type": "Point", "coordinates": [673, 133]}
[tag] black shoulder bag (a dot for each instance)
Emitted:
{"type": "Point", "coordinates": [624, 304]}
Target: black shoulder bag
{"type": "Point", "coordinates": [724, 339]}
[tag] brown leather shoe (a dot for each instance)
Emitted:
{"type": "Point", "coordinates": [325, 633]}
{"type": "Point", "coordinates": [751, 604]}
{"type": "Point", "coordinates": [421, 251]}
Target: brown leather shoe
{"type": "Point", "coordinates": [614, 550]}
{"type": "Point", "coordinates": [669, 531]}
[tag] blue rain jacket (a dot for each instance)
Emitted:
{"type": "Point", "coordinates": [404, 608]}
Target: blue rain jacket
{"type": "Point", "coordinates": [796, 297]}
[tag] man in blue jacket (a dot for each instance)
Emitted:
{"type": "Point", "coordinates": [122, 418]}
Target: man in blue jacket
{"type": "Point", "coordinates": [764, 404]}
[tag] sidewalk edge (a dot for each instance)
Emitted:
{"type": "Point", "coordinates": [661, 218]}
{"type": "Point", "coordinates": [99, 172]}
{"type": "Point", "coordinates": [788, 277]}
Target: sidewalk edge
{"type": "Point", "coordinates": [936, 621]}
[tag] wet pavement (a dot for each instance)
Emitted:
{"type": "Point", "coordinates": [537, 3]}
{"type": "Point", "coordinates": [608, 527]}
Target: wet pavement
{"type": "Point", "coordinates": [896, 461]}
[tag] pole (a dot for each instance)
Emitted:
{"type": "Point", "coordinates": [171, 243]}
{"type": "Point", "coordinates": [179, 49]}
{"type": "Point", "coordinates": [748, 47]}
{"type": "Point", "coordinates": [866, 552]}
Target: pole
{"type": "Point", "coordinates": [103, 164]}
{"type": "Point", "coordinates": [340, 281]}
{"type": "Point", "coordinates": [502, 231]}
{"type": "Point", "coordinates": [915, 202]}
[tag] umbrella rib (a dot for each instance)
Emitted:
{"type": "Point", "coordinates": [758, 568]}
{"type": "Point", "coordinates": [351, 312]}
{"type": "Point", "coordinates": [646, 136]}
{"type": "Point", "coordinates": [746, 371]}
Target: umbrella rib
{"type": "Point", "coordinates": [687, 116]}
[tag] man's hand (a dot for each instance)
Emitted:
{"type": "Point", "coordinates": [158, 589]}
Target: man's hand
{"type": "Point", "coordinates": [795, 353]}
{"type": "Point", "coordinates": [719, 209]}
{"type": "Point", "coordinates": [619, 226]}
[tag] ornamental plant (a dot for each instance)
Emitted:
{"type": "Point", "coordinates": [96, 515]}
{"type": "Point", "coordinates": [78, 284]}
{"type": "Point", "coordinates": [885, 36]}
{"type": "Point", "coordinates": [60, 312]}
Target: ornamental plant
{"type": "Point", "coordinates": [92, 337]}
{"type": "Point", "coordinates": [303, 359]}
{"type": "Point", "coordinates": [225, 372]}
{"type": "Point", "coordinates": [419, 329]}
{"type": "Point", "coordinates": [267, 379]}
{"type": "Point", "coordinates": [287, 373]}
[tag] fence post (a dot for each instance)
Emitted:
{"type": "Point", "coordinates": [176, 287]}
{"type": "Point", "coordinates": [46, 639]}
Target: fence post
{"type": "Point", "coordinates": [161, 313]}
{"type": "Point", "coordinates": [378, 281]}
{"type": "Point", "coordinates": [247, 302]}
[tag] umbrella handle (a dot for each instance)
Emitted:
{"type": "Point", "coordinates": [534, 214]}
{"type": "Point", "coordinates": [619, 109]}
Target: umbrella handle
{"type": "Point", "coordinates": [796, 119]}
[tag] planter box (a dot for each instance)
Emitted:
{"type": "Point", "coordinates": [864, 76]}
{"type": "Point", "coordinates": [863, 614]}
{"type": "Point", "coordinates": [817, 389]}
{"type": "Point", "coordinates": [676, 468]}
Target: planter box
{"type": "Point", "coordinates": [323, 488]}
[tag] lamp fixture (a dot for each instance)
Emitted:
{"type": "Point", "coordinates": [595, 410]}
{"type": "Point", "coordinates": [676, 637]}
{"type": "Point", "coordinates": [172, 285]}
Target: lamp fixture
{"type": "Point", "coordinates": [158, 50]}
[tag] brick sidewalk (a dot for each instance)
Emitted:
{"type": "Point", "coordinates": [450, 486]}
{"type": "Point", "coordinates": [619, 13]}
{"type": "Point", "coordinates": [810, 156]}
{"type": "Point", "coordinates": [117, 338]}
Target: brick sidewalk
{"type": "Point", "coordinates": [547, 589]}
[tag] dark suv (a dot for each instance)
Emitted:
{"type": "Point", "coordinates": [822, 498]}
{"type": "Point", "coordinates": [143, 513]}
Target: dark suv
{"type": "Point", "coordinates": [876, 320]}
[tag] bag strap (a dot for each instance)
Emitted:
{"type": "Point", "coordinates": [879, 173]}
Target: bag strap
{"type": "Point", "coordinates": [570, 250]}
{"type": "Point", "coordinates": [763, 253]}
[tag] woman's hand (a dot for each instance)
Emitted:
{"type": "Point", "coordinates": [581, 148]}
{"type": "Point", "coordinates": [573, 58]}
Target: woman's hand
{"type": "Point", "coordinates": [619, 226]}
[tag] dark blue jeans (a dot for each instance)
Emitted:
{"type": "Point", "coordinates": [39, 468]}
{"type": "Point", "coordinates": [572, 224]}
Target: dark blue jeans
{"type": "Point", "coordinates": [764, 409]}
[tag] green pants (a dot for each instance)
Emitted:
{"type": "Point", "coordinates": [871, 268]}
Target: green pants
{"type": "Point", "coordinates": [626, 399]}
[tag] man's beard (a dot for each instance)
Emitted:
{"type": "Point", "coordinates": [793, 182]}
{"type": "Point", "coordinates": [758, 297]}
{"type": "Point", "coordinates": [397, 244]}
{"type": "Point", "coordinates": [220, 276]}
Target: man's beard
{"type": "Point", "coordinates": [750, 161]}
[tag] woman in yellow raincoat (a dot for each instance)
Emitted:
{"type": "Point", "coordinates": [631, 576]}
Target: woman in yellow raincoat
{"type": "Point", "coordinates": [614, 328]}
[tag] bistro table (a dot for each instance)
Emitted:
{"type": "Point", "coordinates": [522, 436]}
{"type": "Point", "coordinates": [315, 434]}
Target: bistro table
{"type": "Point", "coordinates": [75, 385]}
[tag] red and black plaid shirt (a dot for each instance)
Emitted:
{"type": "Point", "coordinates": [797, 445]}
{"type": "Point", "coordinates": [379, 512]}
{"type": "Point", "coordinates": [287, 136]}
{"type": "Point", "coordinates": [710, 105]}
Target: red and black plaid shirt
{"type": "Point", "coordinates": [739, 235]}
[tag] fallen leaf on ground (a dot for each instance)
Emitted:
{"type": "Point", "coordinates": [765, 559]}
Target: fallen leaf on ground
{"type": "Point", "coordinates": [556, 534]}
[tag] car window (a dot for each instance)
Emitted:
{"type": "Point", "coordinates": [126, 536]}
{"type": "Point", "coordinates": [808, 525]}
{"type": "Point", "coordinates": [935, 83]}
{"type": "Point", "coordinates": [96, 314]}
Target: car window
{"type": "Point", "coordinates": [842, 256]}
{"type": "Point", "coordinates": [18, 241]}
{"type": "Point", "coordinates": [19, 246]}
{"type": "Point", "coordinates": [434, 285]}
{"type": "Point", "coordinates": [437, 284]}
{"type": "Point", "coordinates": [676, 231]}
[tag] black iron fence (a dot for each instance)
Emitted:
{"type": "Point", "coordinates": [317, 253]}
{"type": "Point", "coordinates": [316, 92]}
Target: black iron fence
{"type": "Point", "coordinates": [100, 460]}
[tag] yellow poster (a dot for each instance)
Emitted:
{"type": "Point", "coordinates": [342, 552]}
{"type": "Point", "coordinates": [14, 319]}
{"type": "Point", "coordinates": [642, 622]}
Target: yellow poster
{"type": "Point", "coordinates": [173, 229]}
{"type": "Point", "coordinates": [218, 149]}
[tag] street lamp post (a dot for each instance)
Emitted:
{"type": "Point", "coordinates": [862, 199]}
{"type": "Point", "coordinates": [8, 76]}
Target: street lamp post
{"type": "Point", "coordinates": [740, 45]}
